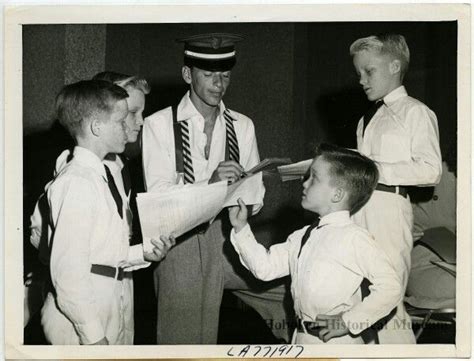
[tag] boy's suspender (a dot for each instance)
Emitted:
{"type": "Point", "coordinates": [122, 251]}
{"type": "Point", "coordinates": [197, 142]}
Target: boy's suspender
{"type": "Point", "coordinates": [178, 143]}
{"type": "Point", "coordinates": [183, 163]}
{"type": "Point", "coordinates": [231, 144]}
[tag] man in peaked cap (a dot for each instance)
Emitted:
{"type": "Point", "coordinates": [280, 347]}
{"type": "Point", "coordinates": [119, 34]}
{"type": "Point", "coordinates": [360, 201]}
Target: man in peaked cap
{"type": "Point", "coordinates": [202, 141]}
{"type": "Point", "coordinates": [215, 52]}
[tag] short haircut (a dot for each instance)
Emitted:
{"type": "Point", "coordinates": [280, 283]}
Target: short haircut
{"type": "Point", "coordinates": [124, 80]}
{"type": "Point", "coordinates": [393, 45]}
{"type": "Point", "coordinates": [76, 103]}
{"type": "Point", "coordinates": [356, 173]}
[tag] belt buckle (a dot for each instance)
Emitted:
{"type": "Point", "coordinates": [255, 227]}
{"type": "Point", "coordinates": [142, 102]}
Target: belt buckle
{"type": "Point", "coordinates": [119, 273]}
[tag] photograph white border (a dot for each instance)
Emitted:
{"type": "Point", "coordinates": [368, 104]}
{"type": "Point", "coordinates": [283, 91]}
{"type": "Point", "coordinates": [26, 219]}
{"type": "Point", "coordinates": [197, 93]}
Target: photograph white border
{"type": "Point", "coordinates": [16, 16]}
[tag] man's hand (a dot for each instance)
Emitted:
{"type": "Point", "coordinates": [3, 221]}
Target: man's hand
{"type": "Point", "coordinates": [238, 215]}
{"type": "Point", "coordinates": [332, 326]}
{"type": "Point", "coordinates": [101, 342]}
{"type": "Point", "coordinates": [162, 246]}
{"type": "Point", "coordinates": [229, 170]}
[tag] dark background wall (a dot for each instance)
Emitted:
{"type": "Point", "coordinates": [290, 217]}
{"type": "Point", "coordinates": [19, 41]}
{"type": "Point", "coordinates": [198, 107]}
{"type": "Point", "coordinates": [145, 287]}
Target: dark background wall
{"type": "Point", "coordinates": [336, 99]}
{"type": "Point", "coordinates": [295, 80]}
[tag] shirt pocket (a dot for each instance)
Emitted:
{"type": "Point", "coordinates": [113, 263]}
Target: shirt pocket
{"type": "Point", "coordinates": [394, 148]}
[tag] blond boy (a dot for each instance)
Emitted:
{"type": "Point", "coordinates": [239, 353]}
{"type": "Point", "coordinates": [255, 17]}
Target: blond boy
{"type": "Point", "coordinates": [400, 134]}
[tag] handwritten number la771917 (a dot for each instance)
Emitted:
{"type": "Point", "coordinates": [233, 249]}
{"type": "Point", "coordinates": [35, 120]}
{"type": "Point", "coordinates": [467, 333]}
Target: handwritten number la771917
{"type": "Point", "coordinates": [293, 351]}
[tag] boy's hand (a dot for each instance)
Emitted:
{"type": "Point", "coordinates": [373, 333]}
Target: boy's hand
{"type": "Point", "coordinates": [238, 215]}
{"type": "Point", "coordinates": [332, 326]}
{"type": "Point", "coordinates": [230, 170]}
{"type": "Point", "coordinates": [162, 246]}
{"type": "Point", "coordinates": [101, 342]}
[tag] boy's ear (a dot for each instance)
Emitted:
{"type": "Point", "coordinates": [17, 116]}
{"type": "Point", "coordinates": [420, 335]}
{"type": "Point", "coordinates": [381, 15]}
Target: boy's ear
{"type": "Point", "coordinates": [186, 73]}
{"type": "Point", "coordinates": [338, 195]}
{"type": "Point", "coordinates": [95, 126]}
{"type": "Point", "coordinates": [395, 66]}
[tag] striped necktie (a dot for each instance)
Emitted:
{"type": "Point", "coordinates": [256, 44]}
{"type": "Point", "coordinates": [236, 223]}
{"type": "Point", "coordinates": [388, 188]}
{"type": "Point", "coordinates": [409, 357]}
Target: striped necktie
{"type": "Point", "coordinates": [232, 147]}
{"type": "Point", "coordinates": [370, 113]}
{"type": "Point", "coordinates": [231, 141]}
{"type": "Point", "coordinates": [307, 234]}
{"type": "Point", "coordinates": [114, 190]}
{"type": "Point", "coordinates": [187, 160]}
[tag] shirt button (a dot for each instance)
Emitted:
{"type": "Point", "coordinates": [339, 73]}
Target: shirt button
{"type": "Point", "coordinates": [435, 197]}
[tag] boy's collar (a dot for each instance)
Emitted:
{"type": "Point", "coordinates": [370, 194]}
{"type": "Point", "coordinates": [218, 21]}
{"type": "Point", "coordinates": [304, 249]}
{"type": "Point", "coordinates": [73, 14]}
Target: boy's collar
{"type": "Point", "coordinates": [187, 110]}
{"type": "Point", "coordinates": [335, 217]}
{"type": "Point", "coordinates": [89, 158]}
{"type": "Point", "coordinates": [394, 95]}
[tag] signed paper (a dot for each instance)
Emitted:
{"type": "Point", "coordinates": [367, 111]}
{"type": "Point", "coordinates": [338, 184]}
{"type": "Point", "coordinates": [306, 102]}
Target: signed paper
{"type": "Point", "coordinates": [180, 210]}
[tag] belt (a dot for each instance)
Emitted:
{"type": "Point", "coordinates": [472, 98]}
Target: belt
{"type": "Point", "coordinates": [109, 271]}
{"type": "Point", "coordinates": [308, 327]}
{"type": "Point", "coordinates": [401, 190]}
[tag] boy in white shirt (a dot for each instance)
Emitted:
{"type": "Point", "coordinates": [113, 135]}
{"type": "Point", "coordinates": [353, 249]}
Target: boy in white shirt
{"type": "Point", "coordinates": [400, 134]}
{"type": "Point", "coordinates": [328, 260]}
{"type": "Point", "coordinates": [91, 297]}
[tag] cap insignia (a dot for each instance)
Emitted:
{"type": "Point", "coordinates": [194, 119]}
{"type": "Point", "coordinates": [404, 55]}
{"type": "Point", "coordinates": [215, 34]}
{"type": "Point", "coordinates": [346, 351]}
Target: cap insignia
{"type": "Point", "coordinates": [216, 43]}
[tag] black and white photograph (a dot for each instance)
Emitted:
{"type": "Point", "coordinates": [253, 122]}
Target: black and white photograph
{"type": "Point", "coordinates": [237, 181]}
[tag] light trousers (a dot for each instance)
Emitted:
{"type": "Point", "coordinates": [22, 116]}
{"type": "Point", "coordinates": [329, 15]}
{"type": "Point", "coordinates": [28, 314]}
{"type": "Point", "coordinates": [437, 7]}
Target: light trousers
{"type": "Point", "coordinates": [115, 305]}
{"type": "Point", "coordinates": [389, 218]}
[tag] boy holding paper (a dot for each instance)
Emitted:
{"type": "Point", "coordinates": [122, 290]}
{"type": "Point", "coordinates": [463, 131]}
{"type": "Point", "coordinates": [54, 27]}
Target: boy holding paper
{"type": "Point", "coordinates": [327, 260]}
{"type": "Point", "coordinates": [90, 300]}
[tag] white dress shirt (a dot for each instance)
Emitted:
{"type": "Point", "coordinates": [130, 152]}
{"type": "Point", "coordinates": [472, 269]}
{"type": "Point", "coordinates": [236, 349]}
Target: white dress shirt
{"type": "Point", "coordinates": [159, 162]}
{"type": "Point", "coordinates": [326, 277]}
{"type": "Point", "coordinates": [115, 165]}
{"type": "Point", "coordinates": [403, 139]}
{"type": "Point", "coordinates": [87, 229]}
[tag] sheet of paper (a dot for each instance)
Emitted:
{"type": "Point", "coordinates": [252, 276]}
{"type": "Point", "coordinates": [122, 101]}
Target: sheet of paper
{"type": "Point", "coordinates": [294, 171]}
{"type": "Point", "coordinates": [248, 188]}
{"type": "Point", "coordinates": [268, 165]}
{"type": "Point", "coordinates": [179, 210]}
